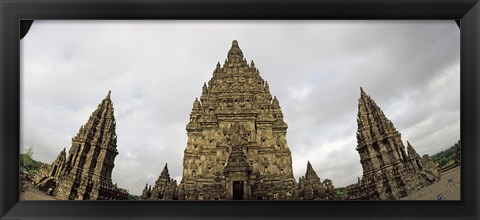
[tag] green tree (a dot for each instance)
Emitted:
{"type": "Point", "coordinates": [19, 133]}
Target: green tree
{"type": "Point", "coordinates": [29, 152]}
{"type": "Point", "coordinates": [341, 193]}
{"type": "Point", "coordinates": [442, 162]}
{"type": "Point", "coordinates": [27, 163]}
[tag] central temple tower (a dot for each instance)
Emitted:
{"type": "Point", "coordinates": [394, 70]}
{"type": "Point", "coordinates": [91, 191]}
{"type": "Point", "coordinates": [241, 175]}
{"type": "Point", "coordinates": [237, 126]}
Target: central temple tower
{"type": "Point", "coordinates": [236, 146]}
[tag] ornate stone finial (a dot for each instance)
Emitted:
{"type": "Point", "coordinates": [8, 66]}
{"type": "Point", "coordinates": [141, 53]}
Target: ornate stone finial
{"type": "Point", "coordinates": [411, 151]}
{"type": "Point", "coordinates": [61, 156]}
{"type": "Point", "coordinates": [252, 64]}
{"type": "Point", "coordinates": [362, 92]}
{"type": "Point", "coordinates": [310, 174]}
{"type": "Point", "coordinates": [204, 88]}
{"type": "Point", "coordinates": [165, 175]}
{"type": "Point", "coordinates": [218, 65]}
{"type": "Point", "coordinates": [196, 104]}
{"type": "Point", "coordinates": [235, 55]}
{"type": "Point", "coordinates": [275, 102]}
{"type": "Point", "coordinates": [108, 95]}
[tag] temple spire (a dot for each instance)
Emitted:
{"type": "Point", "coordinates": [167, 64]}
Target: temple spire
{"type": "Point", "coordinates": [381, 150]}
{"type": "Point", "coordinates": [235, 56]}
{"type": "Point", "coordinates": [310, 174]}
{"type": "Point", "coordinates": [309, 166]}
{"type": "Point", "coordinates": [165, 174]}
{"type": "Point", "coordinates": [197, 105]}
{"type": "Point", "coordinates": [102, 116]}
{"type": "Point", "coordinates": [371, 117]}
{"type": "Point", "coordinates": [411, 151]}
{"type": "Point", "coordinates": [91, 156]}
{"type": "Point", "coordinates": [204, 88]}
{"type": "Point", "coordinates": [275, 103]}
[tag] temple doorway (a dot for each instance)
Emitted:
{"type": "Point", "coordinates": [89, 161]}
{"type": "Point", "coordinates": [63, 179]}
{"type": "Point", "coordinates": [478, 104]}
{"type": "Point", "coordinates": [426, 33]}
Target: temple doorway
{"type": "Point", "coordinates": [237, 190]}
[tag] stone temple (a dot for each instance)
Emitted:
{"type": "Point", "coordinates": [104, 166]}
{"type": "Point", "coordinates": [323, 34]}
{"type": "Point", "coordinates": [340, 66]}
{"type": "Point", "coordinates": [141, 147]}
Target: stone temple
{"type": "Point", "coordinates": [388, 171]}
{"type": "Point", "coordinates": [86, 173]}
{"type": "Point", "coordinates": [236, 147]}
{"type": "Point", "coordinates": [165, 188]}
{"type": "Point", "coordinates": [310, 187]}
{"type": "Point", "coordinates": [236, 144]}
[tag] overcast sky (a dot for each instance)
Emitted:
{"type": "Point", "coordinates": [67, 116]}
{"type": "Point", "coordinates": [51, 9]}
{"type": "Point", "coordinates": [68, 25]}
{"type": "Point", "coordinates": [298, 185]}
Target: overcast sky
{"type": "Point", "coordinates": [156, 69]}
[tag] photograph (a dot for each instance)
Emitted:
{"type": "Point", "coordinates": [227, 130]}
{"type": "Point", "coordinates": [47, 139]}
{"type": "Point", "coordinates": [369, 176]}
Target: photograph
{"type": "Point", "coordinates": [278, 110]}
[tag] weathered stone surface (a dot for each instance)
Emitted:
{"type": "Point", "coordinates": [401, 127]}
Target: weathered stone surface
{"type": "Point", "coordinates": [43, 172]}
{"type": "Point", "coordinates": [388, 171]}
{"type": "Point", "coordinates": [86, 174]}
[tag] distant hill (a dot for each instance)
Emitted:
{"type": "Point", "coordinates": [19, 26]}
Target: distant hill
{"type": "Point", "coordinates": [447, 156]}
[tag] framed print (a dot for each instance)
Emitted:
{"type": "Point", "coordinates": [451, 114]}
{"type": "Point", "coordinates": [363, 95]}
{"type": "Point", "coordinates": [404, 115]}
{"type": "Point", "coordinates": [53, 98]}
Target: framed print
{"type": "Point", "coordinates": [239, 109]}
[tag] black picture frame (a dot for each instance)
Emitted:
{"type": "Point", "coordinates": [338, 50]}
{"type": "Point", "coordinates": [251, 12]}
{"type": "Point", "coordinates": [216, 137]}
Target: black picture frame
{"type": "Point", "coordinates": [467, 12]}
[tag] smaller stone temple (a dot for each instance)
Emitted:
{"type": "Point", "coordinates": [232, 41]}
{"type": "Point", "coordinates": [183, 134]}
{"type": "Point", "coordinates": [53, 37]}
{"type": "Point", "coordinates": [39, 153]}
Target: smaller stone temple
{"type": "Point", "coordinates": [311, 188]}
{"type": "Point", "coordinates": [165, 188]}
{"type": "Point", "coordinates": [86, 173]}
{"type": "Point", "coordinates": [389, 171]}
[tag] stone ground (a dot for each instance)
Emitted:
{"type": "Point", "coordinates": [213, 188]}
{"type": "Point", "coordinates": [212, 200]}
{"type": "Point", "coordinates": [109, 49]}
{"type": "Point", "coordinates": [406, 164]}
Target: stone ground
{"type": "Point", "coordinates": [448, 191]}
{"type": "Point", "coordinates": [33, 193]}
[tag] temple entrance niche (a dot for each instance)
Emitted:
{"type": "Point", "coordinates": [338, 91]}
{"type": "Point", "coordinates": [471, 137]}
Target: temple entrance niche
{"type": "Point", "coordinates": [237, 190]}
{"type": "Point", "coordinates": [54, 170]}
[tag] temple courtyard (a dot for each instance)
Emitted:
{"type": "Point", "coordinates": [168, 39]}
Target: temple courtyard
{"type": "Point", "coordinates": [441, 190]}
